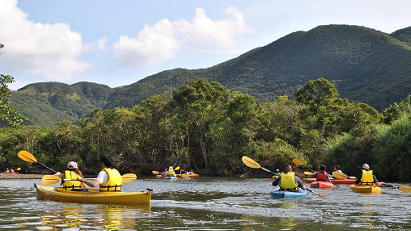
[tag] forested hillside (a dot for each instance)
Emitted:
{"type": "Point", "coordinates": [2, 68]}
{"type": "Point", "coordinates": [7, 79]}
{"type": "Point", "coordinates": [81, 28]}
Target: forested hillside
{"type": "Point", "coordinates": [365, 65]}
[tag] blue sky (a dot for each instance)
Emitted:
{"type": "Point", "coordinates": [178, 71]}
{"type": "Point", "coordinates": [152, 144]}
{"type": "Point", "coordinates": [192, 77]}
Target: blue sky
{"type": "Point", "coordinates": [120, 42]}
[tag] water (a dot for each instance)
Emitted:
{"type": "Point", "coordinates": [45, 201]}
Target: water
{"type": "Point", "coordinates": [208, 204]}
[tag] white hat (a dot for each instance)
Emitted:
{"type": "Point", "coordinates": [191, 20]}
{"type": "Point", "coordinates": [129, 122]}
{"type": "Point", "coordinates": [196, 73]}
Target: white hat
{"type": "Point", "coordinates": [366, 167]}
{"type": "Point", "coordinates": [72, 165]}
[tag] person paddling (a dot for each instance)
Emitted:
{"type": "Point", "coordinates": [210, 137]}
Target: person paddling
{"type": "Point", "coordinates": [367, 177]}
{"type": "Point", "coordinates": [72, 172]}
{"type": "Point", "coordinates": [171, 171]}
{"type": "Point", "coordinates": [322, 175]}
{"type": "Point", "coordinates": [288, 181]}
{"type": "Point", "coordinates": [108, 178]}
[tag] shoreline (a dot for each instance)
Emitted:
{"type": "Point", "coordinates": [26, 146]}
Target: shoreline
{"type": "Point", "coordinates": [20, 176]}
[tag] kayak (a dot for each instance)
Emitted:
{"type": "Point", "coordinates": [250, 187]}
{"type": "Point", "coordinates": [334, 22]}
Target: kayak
{"type": "Point", "coordinates": [277, 193]}
{"type": "Point", "coordinates": [405, 188]}
{"type": "Point", "coordinates": [309, 179]}
{"type": "Point", "coordinates": [92, 196]}
{"type": "Point", "coordinates": [343, 181]}
{"type": "Point", "coordinates": [364, 189]}
{"type": "Point", "coordinates": [170, 178]}
{"type": "Point", "coordinates": [185, 176]}
{"type": "Point", "coordinates": [322, 185]}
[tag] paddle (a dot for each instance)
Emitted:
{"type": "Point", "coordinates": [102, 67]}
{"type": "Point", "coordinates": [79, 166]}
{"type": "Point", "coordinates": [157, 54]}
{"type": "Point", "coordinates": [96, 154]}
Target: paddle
{"type": "Point", "coordinates": [253, 164]}
{"type": "Point", "coordinates": [155, 172]}
{"type": "Point", "coordinates": [53, 179]}
{"type": "Point", "coordinates": [320, 195]}
{"type": "Point", "coordinates": [339, 175]}
{"type": "Point", "coordinates": [405, 188]}
{"type": "Point", "coordinates": [27, 156]}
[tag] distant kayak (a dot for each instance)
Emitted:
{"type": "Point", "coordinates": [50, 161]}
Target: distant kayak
{"type": "Point", "coordinates": [309, 179]}
{"type": "Point", "coordinates": [277, 193]}
{"type": "Point", "coordinates": [343, 181]}
{"type": "Point", "coordinates": [170, 178]}
{"type": "Point", "coordinates": [185, 176]}
{"type": "Point", "coordinates": [322, 184]}
{"type": "Point", "coordinates": [364, 189]}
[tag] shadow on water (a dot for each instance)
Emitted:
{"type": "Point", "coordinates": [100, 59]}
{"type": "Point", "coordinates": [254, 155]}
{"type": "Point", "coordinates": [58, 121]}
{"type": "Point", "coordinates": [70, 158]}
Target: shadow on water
{"type": "Point", "coordinates": [208, 204]}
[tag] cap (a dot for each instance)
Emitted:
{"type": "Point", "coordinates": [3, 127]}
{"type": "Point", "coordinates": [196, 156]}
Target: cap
{"type": "Point", "coordinates": [366, 167]}
{"type": "Point", "coordinates": [72, 165]}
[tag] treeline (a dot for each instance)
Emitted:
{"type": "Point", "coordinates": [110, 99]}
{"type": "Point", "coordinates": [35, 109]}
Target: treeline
{"type": "Point", "coordinates": [205, 127]}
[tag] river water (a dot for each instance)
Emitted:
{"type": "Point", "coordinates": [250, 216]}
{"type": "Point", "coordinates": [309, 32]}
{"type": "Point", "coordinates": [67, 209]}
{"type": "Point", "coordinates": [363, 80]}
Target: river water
{"type": "Point", "coordinates": [208, 204]}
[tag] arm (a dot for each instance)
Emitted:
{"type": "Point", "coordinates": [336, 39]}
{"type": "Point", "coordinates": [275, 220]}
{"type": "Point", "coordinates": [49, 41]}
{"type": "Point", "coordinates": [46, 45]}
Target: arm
{"type": "Point", "coordinates": [299, 183]}
{"type": "Point", "coordinates": [93, 184]}
{"type": "Point", "coordinates": [98, 181]}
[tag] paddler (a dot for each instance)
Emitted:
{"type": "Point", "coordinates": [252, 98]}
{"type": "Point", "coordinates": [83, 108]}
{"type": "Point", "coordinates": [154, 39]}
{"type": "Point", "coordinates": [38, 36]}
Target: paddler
{"type": "Point", "coordinates": [288, 181]}
{"type": "Point", "coordinates": [171, 171]}
{"type": "Point", "coordinates": [367, 177]}
{"type": "Point", "coordinates": [322, 175]}
{"type": "Point", "coordinates": [108, 178]}
{"type": "Point", "coordinates": [72, 172]}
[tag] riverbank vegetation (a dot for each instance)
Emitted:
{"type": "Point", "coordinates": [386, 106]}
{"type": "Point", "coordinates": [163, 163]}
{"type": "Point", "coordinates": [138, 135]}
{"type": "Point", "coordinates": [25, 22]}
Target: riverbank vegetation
{"type": "Point", "coordinates": [205, 127]}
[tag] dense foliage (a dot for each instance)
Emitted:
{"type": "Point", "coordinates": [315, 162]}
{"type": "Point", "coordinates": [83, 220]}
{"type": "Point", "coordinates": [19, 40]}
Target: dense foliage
{"type": "Point", "coordinates": [205, 127]}
{"type": "Point", "coordinates": [365, 65]}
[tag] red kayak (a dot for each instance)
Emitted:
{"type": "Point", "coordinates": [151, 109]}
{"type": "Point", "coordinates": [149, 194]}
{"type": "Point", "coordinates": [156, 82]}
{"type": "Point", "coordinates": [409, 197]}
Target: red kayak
{"type": "Point", "coordinates": [322, 184]}
{"type": "Point", "coordinates": [343, 181]}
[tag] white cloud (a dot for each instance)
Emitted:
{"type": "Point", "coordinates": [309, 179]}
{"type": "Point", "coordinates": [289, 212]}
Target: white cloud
{"type": "Point", "coordinates": [49, 50]}
{"type": "Point", "coordinates": [152, 45]}
{"type": "Point", "coordinates": [98, 45]}
{"type": "Point", "coordinates": [163, 40]}
{"type": "Point", "coordinates": [204, 31]}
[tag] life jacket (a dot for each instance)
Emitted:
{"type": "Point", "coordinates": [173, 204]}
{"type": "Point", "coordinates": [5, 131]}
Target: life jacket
{"type": "Point", "coordinates": [322, 176]}
{"type": "Point", "coordinates": [114, 181]}
{"type": "Point", "coordinates": [69, 185]}
{"type": "Point", "coordinates": [367, 178]}
{"type": "Point", "coordinates": [171, 172]}
{"type": "Point", "coordinates": [288, 182]}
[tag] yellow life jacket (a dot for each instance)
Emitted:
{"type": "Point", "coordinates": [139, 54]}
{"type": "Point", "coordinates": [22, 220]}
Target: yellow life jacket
{"type": "Point", "coordinates": [367, 178]}
{"type": "Point", "coordinates": [288, 182]}
{"type": "Point", "coordinates": [171, 172]}
{"type": "Point", "coordinates": [114, 181]}
{"type": "Point", "coordinates": [71, 184]}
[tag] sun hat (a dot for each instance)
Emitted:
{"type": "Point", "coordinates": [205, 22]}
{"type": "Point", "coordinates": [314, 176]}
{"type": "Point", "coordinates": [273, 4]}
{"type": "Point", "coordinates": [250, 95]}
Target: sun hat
{"type": "Point", "coordinates": [366, 167]}
{"type": "Point", "coordinates": [72, 165]}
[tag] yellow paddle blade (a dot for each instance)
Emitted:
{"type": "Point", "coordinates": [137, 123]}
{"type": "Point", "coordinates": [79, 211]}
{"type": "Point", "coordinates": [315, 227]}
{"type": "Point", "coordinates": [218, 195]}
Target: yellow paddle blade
{"type": "Point", "coordinates": [297, 162]}
{"type": "Point", "coordinates": [129, 177]}
{"type": "Point", "coordinates": [177, 168]}
{"type": "Point", "coordinates": [309, 173]}
{"type": "Point", "coordinates": [18, 169]}
{"type": "Point", "coordinates": [27, 156]}
{"type": "Point", "coordinates": [339, 175]}
{"type": "Point", "coordinates": [50, 179]}
{"type": "Point", "coordinates": [250, 162]}
{"type": "Point", "coordinates": [155, 172]}
{"type": "Point", "coordinates": [323, 195]}
{"type": "Point", "coordinates": [352, 177]}
{"type": "Point", "coordinates": [405, 188]}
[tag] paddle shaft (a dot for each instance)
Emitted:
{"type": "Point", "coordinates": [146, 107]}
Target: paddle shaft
{"type": "Point", "coordinates": [268, 170]}
{"type": "Point", "coordinates": [34, 160]}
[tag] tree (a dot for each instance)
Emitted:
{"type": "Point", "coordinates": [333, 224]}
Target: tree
{"type": "Point", "coordinates": [7, 113]}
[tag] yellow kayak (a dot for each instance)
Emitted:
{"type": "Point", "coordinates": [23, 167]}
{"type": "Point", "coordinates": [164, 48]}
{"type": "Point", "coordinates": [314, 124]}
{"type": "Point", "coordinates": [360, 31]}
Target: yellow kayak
{"type": "Point", "coordinates": [92, 196]}
{"type": "Point", "coordinates": [309, 179]}
{"type": "Point", "coordinates": [364, 189]}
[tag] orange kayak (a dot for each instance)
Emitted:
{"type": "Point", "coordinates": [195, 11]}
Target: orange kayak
{"type": "Point", "coordinates": [322, 184]}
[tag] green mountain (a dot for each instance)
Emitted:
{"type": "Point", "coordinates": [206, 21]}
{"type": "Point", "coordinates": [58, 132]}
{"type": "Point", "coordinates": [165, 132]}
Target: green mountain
{"type": "Point", "coordinates": [365, 65]}
{"type": "Point", "coordinates": [47, 103]}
